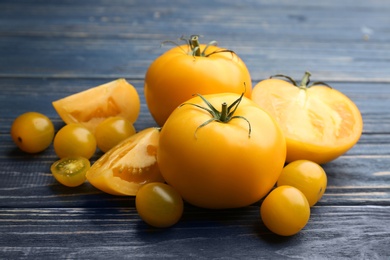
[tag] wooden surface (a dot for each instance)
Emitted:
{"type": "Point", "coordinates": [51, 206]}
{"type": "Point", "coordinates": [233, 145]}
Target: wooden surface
{"type": "Point", "coordinates": [50, 49]}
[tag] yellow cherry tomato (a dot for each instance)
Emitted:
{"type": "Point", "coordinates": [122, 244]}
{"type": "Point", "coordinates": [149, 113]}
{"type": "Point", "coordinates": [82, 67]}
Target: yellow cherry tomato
{"type": "Point", "coordinates": [112, 131]}
{"type": "Point", "coordinates": [185, 70]}
{"type": "Point", "coordinates": [319, 122]}
{"type": "Point", "coordinates": [32, 132]}
{"type": "Point", "coordinates": [285, 211]}
{"type": "Point", "coordinates": [74, 140]}
{"type": "Point", "coordinates": [128, 165]}
{"type": "Point", "coordinates": [218, 163]}
{"type": "Point", "coordinates": [159, 205]}
{"type": "Point", "coordinates": [307, 176]}
{"type": "Point", "coordinates": [70, 171]}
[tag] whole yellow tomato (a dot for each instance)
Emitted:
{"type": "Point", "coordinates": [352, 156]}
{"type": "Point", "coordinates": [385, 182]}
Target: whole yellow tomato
{"type": "Point", "coordinates": [319, 122]}
{"type": "Point", "coordinates": [226, 158]}
{"type": "Point", "coordinates": [185, 70]}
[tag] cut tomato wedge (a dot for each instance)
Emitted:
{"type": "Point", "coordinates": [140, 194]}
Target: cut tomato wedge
{"type": "Point", "coordinates": [94, 105]}
{"type": "Point", "coordinates": [128, 165]}
{"type": "Point", "coordinates": [319, 122]}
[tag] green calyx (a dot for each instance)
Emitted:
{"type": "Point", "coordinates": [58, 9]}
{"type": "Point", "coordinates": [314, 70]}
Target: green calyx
{"type": "Point", "coordinates": [224, 116]}
{"type": "Point", "coordinates": [304, 82]}
{"type": "Point", "coordinates": [194, 44]}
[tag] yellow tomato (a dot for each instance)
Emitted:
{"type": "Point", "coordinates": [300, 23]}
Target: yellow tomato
{"type": "Point", "coordinates": [319, 122]}
{"type": "Point", "coordinates": [307, 176]}
{"type": "Point", "coordinates": [94, 105]}
{"type": "Point", "coordinates": [217, 163]}
{"type": "Point", "coordinates": [32, 132]}
{"type": "Point", "coordinates": [74, 140]}
{"type": "Point", "coordinates": [128, 165]}
{"type": "Point", "coordinates": [285, 211]}
{"type": "Point", "coordinates": [112, 131]}
{"type": "Point", "coordinates": [185, 70]}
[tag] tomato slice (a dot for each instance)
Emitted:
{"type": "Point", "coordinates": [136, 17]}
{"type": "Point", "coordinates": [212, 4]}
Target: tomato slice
{"type": "Point", "coordinates": [70, 171]}
{"type": "Point", "coordinates": [94, 105]}
{"type": "Point", "coordinates": [128, 165]}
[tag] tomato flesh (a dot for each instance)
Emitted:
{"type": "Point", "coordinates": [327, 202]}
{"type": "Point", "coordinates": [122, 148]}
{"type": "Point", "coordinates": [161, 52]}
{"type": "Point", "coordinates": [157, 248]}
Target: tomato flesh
{"type": "Point", "coordinates": [70, 171]}
{"type": "Point", "coordinates": [128, 165]}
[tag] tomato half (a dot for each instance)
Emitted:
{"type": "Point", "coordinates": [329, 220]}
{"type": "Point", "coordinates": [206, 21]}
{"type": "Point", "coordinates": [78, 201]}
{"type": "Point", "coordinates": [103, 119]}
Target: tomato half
{"type": "Point", "coordinates": [70, 171]}
{"type": "Point", "coordinates": [221, 164]}
{"type": "Point", "coordinates": [319, 122]}
{"type": "Point", "coordinates": [128, 165]}
{"type": "Point", "coordinates": [94, 105]}
{"type": "Point", "coordinates": [185, 70]}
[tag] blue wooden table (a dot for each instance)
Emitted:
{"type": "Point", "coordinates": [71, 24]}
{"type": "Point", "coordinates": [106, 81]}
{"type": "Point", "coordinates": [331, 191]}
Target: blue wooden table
{"type": "Point", "coordinates": [51, 49]}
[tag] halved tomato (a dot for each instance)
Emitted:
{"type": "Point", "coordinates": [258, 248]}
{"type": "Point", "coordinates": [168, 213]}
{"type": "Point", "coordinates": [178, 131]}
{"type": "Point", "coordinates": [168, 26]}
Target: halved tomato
{"type": "Point", "coordinates": [128, 165]}
{"type": "Point", "coordinates": [319, 122]}
{"type": "Point", "coordinates": [94, 105]}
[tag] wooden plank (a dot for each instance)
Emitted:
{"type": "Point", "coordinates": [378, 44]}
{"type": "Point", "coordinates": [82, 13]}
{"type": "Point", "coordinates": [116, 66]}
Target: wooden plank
{"type": "Point", "coordinates": [121, 39]}
{"type": "Point", "coordinates": [332, 232]}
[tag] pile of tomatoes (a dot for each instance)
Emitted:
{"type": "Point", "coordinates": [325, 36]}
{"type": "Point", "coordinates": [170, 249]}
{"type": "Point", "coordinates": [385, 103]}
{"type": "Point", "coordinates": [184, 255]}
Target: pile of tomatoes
{"type": "Point", "coordinates": [221, 143]}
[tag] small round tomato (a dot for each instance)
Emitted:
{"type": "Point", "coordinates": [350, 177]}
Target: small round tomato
{"type": "Point", "coordinates": [70, 171]}
{"type": "Point", "coordinates": [185, 70]}
{"type": "Point", "coordinates": [74, 140]}
{"type": "Point", "coordinates": [112, 131]}
{"type": "Point", "coordinates": [128, 165]}
{"type": "Point", "coordinates": [92, 106]}
{"type": "Point", "coordinates": [307, 176]}
{"type": "Point", "coordinates": [159, 205]}
{"type": "Point", "coordinates": [319, 122]}
{"type": "Point", "coordinates": [32, 132]}
{"type": "Point", "coordinates": [226, 158]}
{"type": "Point", "coordinates": [285, 211]}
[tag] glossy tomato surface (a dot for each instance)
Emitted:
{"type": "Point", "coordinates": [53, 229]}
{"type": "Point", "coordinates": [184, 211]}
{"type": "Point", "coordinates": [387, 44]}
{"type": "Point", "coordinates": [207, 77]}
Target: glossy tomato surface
{"type": "Point", "coordinates": [319, 122]}
{"type": "Point", "coordinates": [285, 211]}
{"type": "Point", "coordinates": [32, 132]}
{"type": "Point", "coordinates": [128, 165]}
{"type": "Point", "coordinates": [92, 106]}
{"type": "Point", "coordinates": [112, 131]}
{"type": "Point", "coordinates": [307, 176]}
{"type": "Point", "coordinates": [159, 205]}
{"type": "Point", "coordinates": [220, 165]}
{"type": "Point", "coordinates": [178, 74]}
{"type": "Point", "coordinates": [74, 140]}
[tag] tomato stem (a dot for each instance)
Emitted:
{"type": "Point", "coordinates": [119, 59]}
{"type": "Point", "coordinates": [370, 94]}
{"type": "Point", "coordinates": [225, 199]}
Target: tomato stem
{"type": "Point", "coordinates": [224, 116]}
{"type": "Point", "coordinates": [224, 112]}
{"type": "Point", "coordinates": [305, 80]}
{"type": "Point", "coordinates": [195, 46]}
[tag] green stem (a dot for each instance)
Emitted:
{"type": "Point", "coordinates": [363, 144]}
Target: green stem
{"type": "Point", "coordinates": [195, 46]}
{"type": "Point", "coordinates": [224, 112]}
{"type": "Point", "coordinates": [305, 80]}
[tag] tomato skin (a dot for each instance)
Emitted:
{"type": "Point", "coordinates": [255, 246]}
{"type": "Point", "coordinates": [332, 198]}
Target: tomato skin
{"type": "Point", "coordinates": [320, 123]}
{"type": "Point", "coordinates": [128, 165]}
{"type": "Point", "coordinates": [74, 140]}
{"type": "Point", "coordinates": [159, 205]}
{"type": "Point", "coordinates": [176, 76]}
{"type": "Point", "coordinates": [32, 132]}
{"type": "Point", "coordinates": [307, 176]}
{"type": "Point", "coordinates": [112, 131]}
{"type": "Point", "coordinates": [218, 165]}
{"type": "Point", "coordinates": [70, 171]}
{"type": "Point", "coordinates": [285, 211]}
